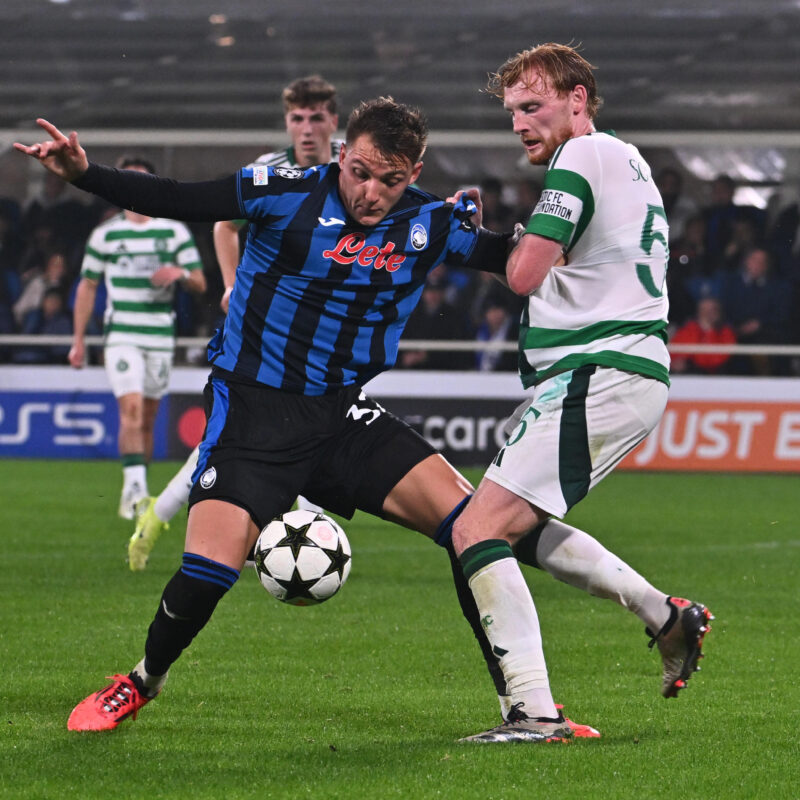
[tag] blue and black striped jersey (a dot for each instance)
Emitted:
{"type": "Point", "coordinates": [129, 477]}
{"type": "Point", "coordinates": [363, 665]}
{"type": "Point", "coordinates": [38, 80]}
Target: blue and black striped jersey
{"type": "Point", "coordinates": [319, 301]}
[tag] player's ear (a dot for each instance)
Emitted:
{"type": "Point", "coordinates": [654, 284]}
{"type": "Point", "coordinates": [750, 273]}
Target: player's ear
{"type": "Point", "coordinates": [415, 172]}
{"type": "Point", "coordinates": [341, 154]}
{"type": "Point", "coordinates": [579, 97]}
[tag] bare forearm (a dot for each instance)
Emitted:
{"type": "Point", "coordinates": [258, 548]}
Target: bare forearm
{"type": "Point", "coordinates": [529, 263]}
{"type": "Point", "coordinates": [226, 246]}
{"type": "Point", "coordinates": [84, 304]}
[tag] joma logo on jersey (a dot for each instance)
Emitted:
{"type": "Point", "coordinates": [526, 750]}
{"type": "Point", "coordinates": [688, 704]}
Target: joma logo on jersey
{"type": "Point", "coordinates": [353, 248]}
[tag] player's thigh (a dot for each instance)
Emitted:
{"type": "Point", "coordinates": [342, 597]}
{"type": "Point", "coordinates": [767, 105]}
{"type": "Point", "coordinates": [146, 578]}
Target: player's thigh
{"type": "Point", "coordinates": [125, 368]}
{"type": "Point", "coordinates": [426, 494]}
{"type": "Point", "coordinates": [157, 369]}
{"type": "Point", "coordinates": [576, 429]}
{"type": "Point", "coordinates": [371, 452]}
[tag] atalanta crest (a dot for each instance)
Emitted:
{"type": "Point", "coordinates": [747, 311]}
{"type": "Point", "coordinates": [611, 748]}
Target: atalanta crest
{"type": "Point", "coordinates": [419, 237]}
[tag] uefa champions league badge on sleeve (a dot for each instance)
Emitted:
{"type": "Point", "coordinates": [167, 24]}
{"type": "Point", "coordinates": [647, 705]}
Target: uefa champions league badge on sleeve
{"type": "Point", "coordinates": [290, 173]}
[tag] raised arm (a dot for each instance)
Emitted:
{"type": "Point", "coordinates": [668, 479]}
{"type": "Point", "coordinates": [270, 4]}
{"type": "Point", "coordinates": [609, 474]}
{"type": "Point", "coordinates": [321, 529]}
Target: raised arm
{"type": "Point", "coordinates": [205, 201]}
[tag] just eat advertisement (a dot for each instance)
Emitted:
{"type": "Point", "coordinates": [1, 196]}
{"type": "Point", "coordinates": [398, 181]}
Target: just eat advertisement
{"type": "Point", "coordinates": [725, 425]}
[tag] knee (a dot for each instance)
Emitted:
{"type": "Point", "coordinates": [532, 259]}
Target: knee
{"type": "Point", "coordinates": [468, 531]}
{"type": "Point", "coordinates": [131, 415]}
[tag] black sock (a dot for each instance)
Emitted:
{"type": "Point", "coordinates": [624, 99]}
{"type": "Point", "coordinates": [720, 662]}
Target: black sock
{"type": "Point", "coordinates": [187, 604]}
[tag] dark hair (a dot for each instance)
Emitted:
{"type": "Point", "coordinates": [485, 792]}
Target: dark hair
{"type": "Point", "coordinates": [128, 161]}
{"type": "Point", "coordinates": [561, 63]}
{"type": "Point", "coordinates": [398, 131]}
{"type": "Point", "coordinates": [309, 91]}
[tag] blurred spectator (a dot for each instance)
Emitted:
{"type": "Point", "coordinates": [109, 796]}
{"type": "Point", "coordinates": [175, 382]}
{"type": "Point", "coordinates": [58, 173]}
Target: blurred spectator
{"type": "Point", "coordinates": [783, 237]}
{"type": "Point", "coordinates": [721, 214]}
{"type": "Point", "coordinates": [745, 235]}
{"type": "Point", "coordinates": [50, 319]}
{"type": "Point", "coordinates": [10, 283]}
{"type": "Point", "coordinates": [499, 323]}
{"type": "Point", "coordinates": [691, 275]}
{"type": "Point", "coordinates": [10, 239]}
{"type": "Point", "coordinates": [707, 327]}
{"type": "Point", "coordinates": [53, 275]}
{"type": "Point", "coordinates": [678, 207]}
{"type": "Point", "coordinates": [70, 220]}
{"type": "Point", "coordinates": [758, 306]}
{"type": "Point", "coordinates": [527, 193]}
{"type": "Point", "coordinates": [497, 216]}
{"type": "Point", "coordinates": [434, 318]}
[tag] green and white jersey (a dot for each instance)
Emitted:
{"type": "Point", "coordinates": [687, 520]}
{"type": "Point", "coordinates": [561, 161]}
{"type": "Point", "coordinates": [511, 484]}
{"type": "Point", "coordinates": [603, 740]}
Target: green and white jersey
{"type": "Point", "coordinates": [286, 158]}
{"type": "Point", "coordinates": [608, 305]}
{"type": "Point", "coordinates": [127, 254]}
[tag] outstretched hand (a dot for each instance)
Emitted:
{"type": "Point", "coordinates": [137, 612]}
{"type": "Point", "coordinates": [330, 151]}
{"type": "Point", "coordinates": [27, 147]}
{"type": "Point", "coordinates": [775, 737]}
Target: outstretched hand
{"type": "Point", "coordinates": [62, 155]}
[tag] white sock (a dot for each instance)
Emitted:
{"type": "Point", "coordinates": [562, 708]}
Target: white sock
{"type": "Point", "coordinates": [509, 618]}
{"type": "Point", "coordinates": [152, 683]}
{"type": "Point", "coordinates": [307, 505]}
{"type": "Point", "coordinates": [176, 493]}
{"type": "Point", "coordinates": [574, 557]}
{"type": "Point", "coordinates": [135, 475]}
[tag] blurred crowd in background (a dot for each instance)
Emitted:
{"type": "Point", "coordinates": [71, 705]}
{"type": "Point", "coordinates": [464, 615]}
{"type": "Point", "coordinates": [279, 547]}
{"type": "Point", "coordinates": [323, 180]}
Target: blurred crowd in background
{"type": "Point", "coordinates": [733, 277]}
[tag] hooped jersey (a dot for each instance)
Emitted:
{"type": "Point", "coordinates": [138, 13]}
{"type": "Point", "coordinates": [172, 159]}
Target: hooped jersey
{"type": "Point", "coordinates": [608, 304]}
{"type": "Point", "coordinates": [127, 254]}
{"type": "Point", "coordinates": [320, 301]}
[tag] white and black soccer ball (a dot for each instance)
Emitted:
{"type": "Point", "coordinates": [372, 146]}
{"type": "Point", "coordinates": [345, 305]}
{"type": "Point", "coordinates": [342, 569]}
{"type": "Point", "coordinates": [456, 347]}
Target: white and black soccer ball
{"type": "Point", "coordinates": [302, 557]}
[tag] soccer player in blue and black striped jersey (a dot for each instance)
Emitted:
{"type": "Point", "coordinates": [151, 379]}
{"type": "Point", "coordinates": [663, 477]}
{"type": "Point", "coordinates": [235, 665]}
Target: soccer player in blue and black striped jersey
{"type": "Point", "coordinates": [335, 261]}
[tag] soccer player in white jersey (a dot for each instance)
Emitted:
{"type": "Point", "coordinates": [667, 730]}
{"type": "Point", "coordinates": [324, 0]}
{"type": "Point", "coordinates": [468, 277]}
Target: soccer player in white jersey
{"type": "Point", "coordinates": [592, 263]}
{"type": "Point", "coordinates": [143, 260]}
{"type": "Point", "coordinates": [309, 105]}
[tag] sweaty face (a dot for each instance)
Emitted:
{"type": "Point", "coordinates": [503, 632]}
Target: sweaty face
{"type": "Point", "coordinates": [369, 184]}
{"type": "Point", "coordinates": [543, 119]}
{"type": "Point", "coordinates": [310, 130]}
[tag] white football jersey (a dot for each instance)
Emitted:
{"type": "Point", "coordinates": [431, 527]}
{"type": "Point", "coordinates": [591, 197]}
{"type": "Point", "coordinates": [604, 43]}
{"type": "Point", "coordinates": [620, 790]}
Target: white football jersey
{"type": "Point", "coordinates": [126, 255]}
{"type": "Point", "coordinates": [286, 158]}
{"type": "Point", "coordinates": [608, 304]}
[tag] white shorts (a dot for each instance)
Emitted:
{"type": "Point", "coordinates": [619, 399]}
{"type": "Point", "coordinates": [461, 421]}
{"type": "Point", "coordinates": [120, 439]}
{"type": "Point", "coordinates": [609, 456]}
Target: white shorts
{"type": "Point", "coordinates": [132, 369]}
{"type": "Point", "coordinates": [574, 431]}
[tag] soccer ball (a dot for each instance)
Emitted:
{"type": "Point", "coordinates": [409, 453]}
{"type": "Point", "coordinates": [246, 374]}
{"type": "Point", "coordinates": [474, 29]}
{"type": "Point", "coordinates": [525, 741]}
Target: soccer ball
{"type": "Point", "coordinates": [302, 557]}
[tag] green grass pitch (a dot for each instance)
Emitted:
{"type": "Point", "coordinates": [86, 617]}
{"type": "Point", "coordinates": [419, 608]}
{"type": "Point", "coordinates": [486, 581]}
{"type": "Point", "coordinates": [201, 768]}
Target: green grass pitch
{"type": "Point", "coordinates": [366, 695]}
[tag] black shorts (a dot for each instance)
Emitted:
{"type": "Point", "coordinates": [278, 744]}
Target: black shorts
{"type": "Point", "coordinates": [262, 447]}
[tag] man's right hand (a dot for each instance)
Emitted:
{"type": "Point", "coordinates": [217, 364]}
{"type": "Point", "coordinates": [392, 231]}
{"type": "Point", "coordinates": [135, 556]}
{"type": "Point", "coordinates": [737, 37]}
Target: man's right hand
{"type": "Point", "coordinates": [62, 155]}
{"type": "Point", "coordinates": [77, 355]}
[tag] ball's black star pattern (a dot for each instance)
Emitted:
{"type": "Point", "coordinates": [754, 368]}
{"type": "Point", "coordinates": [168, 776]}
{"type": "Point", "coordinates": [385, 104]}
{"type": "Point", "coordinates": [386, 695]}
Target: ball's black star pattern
{"type": "Point", "coordinates": [338, 559]}
{"type": "Point", "coordinates": [297, 589]}
{"type": "Point", "coordinates": [296, 538]}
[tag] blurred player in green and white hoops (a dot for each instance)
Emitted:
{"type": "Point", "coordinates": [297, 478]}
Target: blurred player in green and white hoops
{"type": "Point", "coordinates": [142, 260]}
